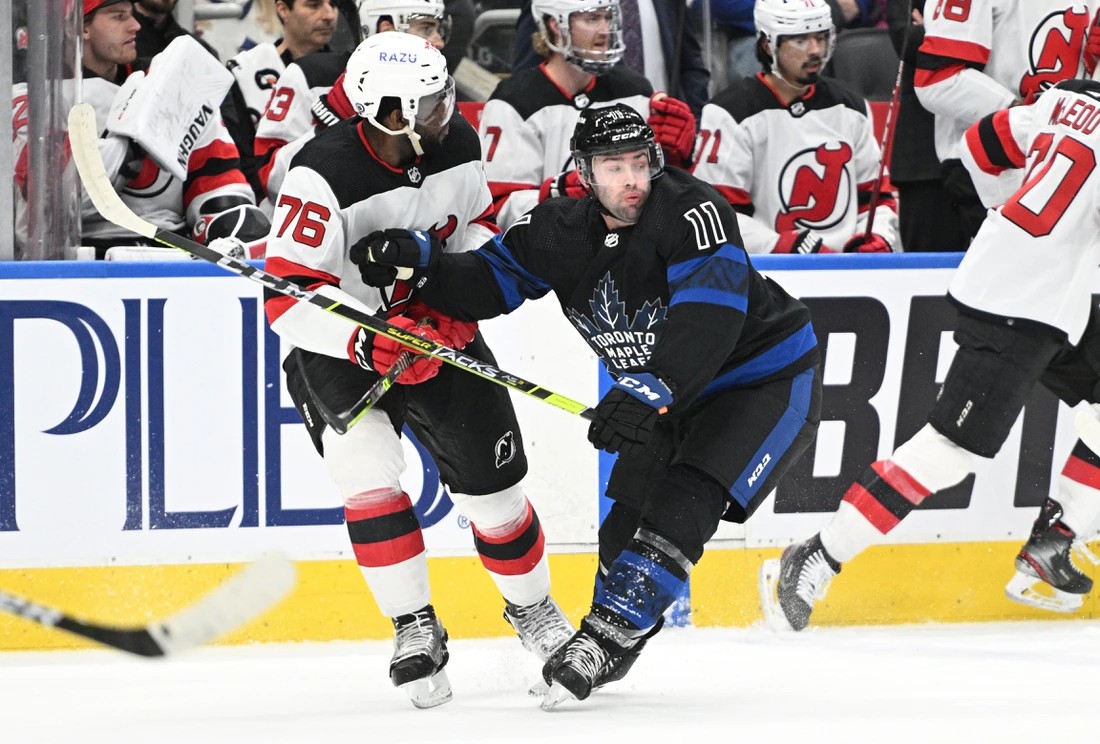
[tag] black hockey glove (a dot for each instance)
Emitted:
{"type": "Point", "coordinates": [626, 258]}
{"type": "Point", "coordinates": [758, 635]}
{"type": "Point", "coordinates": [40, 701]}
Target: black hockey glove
{"type": "Point", "coordinates": [627, 414]}
{"type": "Point", "coordinates": [386, 255]}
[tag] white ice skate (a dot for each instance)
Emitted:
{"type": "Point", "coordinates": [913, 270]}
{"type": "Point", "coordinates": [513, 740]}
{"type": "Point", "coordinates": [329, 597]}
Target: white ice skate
{"type": "Point", "coordinates": [419, 655]}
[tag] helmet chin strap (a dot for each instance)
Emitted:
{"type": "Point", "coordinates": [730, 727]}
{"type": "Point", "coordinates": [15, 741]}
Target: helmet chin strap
{"type": "Point", "coordinates": [408, 131]}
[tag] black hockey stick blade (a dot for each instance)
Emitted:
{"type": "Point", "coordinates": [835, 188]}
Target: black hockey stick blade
{"type": "Point", "coordinates": [85, 146]}
{"type": "Point", "coordinates": [240, 599]}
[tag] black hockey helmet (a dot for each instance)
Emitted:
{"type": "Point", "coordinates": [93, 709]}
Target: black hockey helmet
{"type": "Point", "coordinates": [610, 130]}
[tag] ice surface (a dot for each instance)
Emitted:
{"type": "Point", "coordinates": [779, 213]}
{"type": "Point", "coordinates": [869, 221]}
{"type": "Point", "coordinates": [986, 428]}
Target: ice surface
{"type": "Point", "coordinates": [946, 683]}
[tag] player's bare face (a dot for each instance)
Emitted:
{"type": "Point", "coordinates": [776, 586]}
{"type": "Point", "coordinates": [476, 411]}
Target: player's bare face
{"type": "Point", "coordinates": [110, 36]}
{"type": "Point", "coordinates": [621, 183]}
{"type": "Point", "coordinates": [590, 32]}
{"type": "Point", "coordinates": [310, 23]}
{"type": "Point", "coordinates": [428, 28]}
{"type": "Point", "coordinates": [801, 58]}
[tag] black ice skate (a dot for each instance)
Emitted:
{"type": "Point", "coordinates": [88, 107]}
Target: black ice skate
{"type": "Point", "coordinates": [419, 655]}
{"type": "Point", "coordinates": [573, 671]}
{"type": "Point", "coordinates": [790, 586]}
{"type": "Point", "coordinates": [542, 627]}
{"type": "Point", "coordinates": [1045, 574]}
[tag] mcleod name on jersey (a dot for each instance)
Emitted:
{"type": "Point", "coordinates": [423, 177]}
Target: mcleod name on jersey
{"type": "Point", "coordinates": [675, 293]}
{"type": "Point", "coordinates": [809, 164]}
{"type": "Point", "coordinates": [526, 126]}
{"type": "Point", "coordinates": [337, 192]}
{"type": "Point", "coordinates": [1036, 256]}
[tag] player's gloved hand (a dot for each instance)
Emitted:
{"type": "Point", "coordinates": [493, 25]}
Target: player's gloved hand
{"type": "Point", "coordinates": [567, 183]}
{"type": "Point", "coordinates": [243, 227]}
{"type": "Point", "coordinates": [386, 255]}
{"type": "Point", "coordinates": [1092, 45]}
{"type": "Point", "coordinates": [455, 333]}
{"type": "Point", "coordinates": [800, 241]}
{"type": "Point", "coordinates": [861, 243]}
{"type": "Point", "coordinates": [378, 353]}
{"type": "Point", "coordinates": [673, 126]}
{"type": "Point", "coordinates": [627, 414]}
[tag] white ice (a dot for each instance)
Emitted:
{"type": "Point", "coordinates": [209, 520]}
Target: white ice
{"type": "Point", "coordinates": [948, 683]}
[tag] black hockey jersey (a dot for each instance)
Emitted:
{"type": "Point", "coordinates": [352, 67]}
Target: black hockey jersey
{"type": "Point", "coordinates": [674, 294]}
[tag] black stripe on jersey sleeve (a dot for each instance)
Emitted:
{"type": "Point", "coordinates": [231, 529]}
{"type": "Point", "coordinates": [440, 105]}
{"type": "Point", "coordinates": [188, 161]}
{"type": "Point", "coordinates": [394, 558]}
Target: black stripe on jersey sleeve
{"type": "Point", "coordinates": [992, 145]}
{"type": "Point", "coordinates": [933, 62]}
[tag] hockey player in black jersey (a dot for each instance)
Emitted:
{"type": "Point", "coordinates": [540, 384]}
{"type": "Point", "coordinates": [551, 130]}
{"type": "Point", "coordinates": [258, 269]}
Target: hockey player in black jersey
{"type": "Point", "coordinates": [716, 368]}
{"type": "Point", "coordinates": [405, 158]}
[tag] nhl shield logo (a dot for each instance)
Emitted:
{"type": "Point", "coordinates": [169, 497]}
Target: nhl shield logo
{"type": "Point", "coordinates": [580, 101]}
{"type": "Point", "coordinates": [414, 174]}
{"type": "Point", "coordinates": [798, 108]}
{"type": "Point", "coordinates": [611, 240]}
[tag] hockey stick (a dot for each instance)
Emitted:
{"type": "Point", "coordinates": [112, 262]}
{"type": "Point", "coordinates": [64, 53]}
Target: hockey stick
{"type": "Point", "coordinates": [341, 422]}
{"type": "Point", "coordinates": [84, 139]}
{"type": "Point", "coordinates": [887, 143]}
{"type": "Point", "coordinates": [243, 597]}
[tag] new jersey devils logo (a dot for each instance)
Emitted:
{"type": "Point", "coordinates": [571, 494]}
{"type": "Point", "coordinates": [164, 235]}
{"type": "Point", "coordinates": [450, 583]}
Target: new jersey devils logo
{"type": "Point", "coordinates": [505, 449]}
{"type": "Point", "coordinates": [150, 182]}
{"type": "Point", "coordinates": [446, 230]}
{"type": "Point", "coordinates": [1052, 56]}
{"type": "Point", "coordinates": [815, 188]}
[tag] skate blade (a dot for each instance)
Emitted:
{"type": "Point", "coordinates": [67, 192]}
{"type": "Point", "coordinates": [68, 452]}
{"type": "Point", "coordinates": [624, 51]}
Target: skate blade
{"type": "Point", "coordinates": [769, 599]}
{"type": "Point", "coordinates": [555, 696]}
{"type": "Point", "coordinates": [1029, 590]}
{"type": "Point", "coordinates": [539, 689]}
{"type": "Point", "coordinates": [430, 691]}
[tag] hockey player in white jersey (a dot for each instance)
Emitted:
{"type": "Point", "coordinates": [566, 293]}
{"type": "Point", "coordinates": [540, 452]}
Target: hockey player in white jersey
{"type": "Point", "coordinates": [180, 170]}
{"type": "Point", "coordinates": [406, 160]}
{"type": "Point", "coordinates": [526, 124]}
{"type": "Point", "coordinates": [1026, 316]}
{"type": "Point", "coordinates": [308, 26]}
{"type": "Point", "coordinates": [308, 92]}
{"type": "Point", "coordinates": [792, 151]}
{"type": "Point", "coordinates": [979, 56]}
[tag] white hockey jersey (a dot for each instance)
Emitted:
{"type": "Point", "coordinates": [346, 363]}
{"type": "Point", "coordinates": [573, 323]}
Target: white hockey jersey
{"type": "Point", "coordinates": [155, 195]}
{"type": "Point", "coordinates": [256, 71]}
{"type": "Point", "coordinates": [810, 164]}
{"type": "Point", "coordinates": [979, 56]}
{"type": "Point", "coordinates": [337, 192]}
{"type": "Point", "coordinates": [1035, 257]}
{"type": "Point", "coordinates": [526, 126]}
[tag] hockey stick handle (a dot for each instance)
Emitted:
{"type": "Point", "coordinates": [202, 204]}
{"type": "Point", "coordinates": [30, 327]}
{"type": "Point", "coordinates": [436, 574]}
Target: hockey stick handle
{"type": "Point", "coordinates": [886, 144]}
{"type": "Point", "coordinates": [84, 137]}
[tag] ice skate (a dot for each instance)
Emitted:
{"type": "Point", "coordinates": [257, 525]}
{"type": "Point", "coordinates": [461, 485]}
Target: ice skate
{"type": "Point", "coordinates": [541, 627]}
{"type": "Point", "coordinates": [790, 586]}
{"type": "Point", "coordinates": [419, 655]}
{"type": "Point", "coordinates": [1045, 574]}
{"type": "Point", "coordinates": [573, 672]}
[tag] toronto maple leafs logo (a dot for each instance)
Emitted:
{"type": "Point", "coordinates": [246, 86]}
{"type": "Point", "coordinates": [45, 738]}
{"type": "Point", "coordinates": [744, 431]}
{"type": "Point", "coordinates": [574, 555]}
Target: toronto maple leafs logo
{"type": "Point", "coordinates": [623, 343]}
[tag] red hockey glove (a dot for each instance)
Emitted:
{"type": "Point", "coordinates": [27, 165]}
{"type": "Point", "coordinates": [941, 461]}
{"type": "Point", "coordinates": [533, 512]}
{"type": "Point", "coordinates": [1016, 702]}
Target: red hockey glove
{"type": "Point", "coordinates": [378, 353]}
{"type": "Point", "coordinates": [564, 184]}
{"type": "Point", "coordinates": [1092, 46]}
{"type": "Point", "coordinates": [455, 333]}
{"type": "Point", "coordinates": [862, 244]}
{"type": "Point", "coordinates": [800, 241]}
{"type": "Point", "coordinates": [673, 126]}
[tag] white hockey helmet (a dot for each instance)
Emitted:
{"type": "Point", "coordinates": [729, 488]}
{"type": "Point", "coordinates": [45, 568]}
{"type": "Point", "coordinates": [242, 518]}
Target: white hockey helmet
{"type": "Point", "coordinates": [407, 68]}
{"type": "Point", "coordinates": [778, 18]}
{"type": "Point", "coordinates": [402, 13]}
{"type": "Point", "coordinates": [595, 61]}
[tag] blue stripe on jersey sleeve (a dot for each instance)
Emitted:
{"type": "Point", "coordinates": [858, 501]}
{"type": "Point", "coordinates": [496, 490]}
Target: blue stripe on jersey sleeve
{"type": "Point", "coordinates": [515, 282]}
{"type": "Point", "coordinates": [720, 278]}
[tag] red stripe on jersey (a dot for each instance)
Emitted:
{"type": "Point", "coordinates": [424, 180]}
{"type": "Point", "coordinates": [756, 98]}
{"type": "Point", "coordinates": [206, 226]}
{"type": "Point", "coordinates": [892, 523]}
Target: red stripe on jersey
{"type": "Point", "coordinates": [487, 219]}
{"type": "Point", "coordinates": [517, 566]}
{"type": "Point", "coordinates": [874, 512]}
{"type": "Point", "coordinates": [733, 195]}
{"type": "Point", "coordinates": [1082, 472]}
{"type": "Point", "coordinates": [279, 304]}
{"type": "Point", "coordinates": [967, 51]}
{"type": "Point", "coordinates": [901, 481]}
{"type": "Point", "coordinates": [398, 502]}
{"type": "Point", "coordinates": [502, 189]}
{"type": "Point", "coordinates": [216, 150]}
{"type": "Point", "coordinates": [928, 78]}
{"type": "Point", "coordinates": [22, 170]}
{"type": "Point", "coordinates": [1004, 133]}
{"type": "Point", "coordinates": [263, 145]}
{"type": "Point", "coordinates": [207, 184]}
{"type": "Point", "coordinates": [389, 552]}
{"type": "Point", "coordinates": [337, 99]}
{"type": "Point", "coordinates": [981, 157]}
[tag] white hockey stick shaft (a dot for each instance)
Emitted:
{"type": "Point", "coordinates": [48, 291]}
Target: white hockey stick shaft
{"type": "Point", "coordinates": [84, 139]}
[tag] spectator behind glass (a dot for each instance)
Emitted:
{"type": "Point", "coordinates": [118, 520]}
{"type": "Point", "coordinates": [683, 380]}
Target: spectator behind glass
{"type": "Point", "coordinates": [681, 71]}
{"type": "Point", "coordinates": [926, 218]}
{"type": "Point", "coordinates": [159, 27]}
